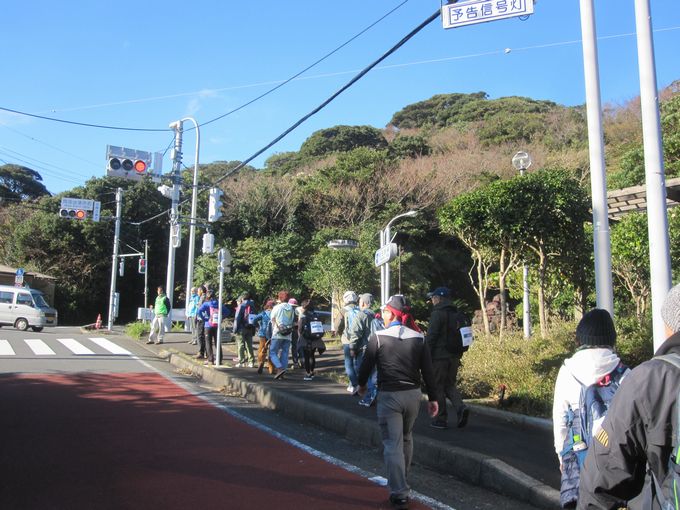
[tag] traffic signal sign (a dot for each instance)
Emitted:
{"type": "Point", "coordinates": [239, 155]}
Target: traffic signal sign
{"type": "Point", "coordinates": [142, 266]}
{"type": "Point", "coordinates": [127, 163]}
{"type": "Point", "coordinates": [215, 204]}
{"type": "Point", "coordinates": [74, 214]}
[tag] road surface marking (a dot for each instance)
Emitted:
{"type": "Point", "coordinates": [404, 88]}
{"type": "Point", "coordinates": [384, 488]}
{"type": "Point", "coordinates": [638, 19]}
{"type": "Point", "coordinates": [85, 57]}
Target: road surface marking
{"type": "Point", "coordinates": [6, 348]}
{"type": "Point", "coordinates": [74, 346]}
{"type": "Point", "coordinates": [110, 346]}
{"type": "Point", "coordinates": [39, 347]}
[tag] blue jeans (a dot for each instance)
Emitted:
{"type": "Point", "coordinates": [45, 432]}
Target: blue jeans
{"type": "Point", "coordinates": [278, 352]}
{"type": "Point", "coordinates": [352, 364]}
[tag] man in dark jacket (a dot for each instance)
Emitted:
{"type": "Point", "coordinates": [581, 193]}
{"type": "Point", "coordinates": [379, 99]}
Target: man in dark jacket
{"type": "Point", "coordinates": [402, 357]}
{"type": "Point", "coordinates": [445, 342]}
{"type": "Point", "coordinates": [638, 430]}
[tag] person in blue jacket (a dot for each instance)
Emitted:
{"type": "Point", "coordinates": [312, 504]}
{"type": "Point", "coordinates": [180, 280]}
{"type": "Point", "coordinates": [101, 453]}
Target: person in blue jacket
{"type": "Point", "coordinates": [262, 321]}
{"type": "Point", "coordinates": [209, 311]}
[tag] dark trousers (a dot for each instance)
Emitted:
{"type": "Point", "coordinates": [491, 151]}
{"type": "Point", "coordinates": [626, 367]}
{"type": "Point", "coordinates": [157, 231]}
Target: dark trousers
{"type": "Point", "coordinates": [210, 340]}
{"type": "Point", "coordinates": [445, 374]}
{"type": "Point", "coordinates": [310, 359]}
{"type": "Point", "coordinates": [199, 326]}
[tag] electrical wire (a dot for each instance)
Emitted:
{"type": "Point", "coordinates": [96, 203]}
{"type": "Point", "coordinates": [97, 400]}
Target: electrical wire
{"type": "Point", "coordinates": [351, 82]}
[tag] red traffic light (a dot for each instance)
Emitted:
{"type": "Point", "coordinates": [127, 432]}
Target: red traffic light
{"type": "Point", "coordinates": [80, 214]}
{"type": "Point", "coordinates": [140, 166]}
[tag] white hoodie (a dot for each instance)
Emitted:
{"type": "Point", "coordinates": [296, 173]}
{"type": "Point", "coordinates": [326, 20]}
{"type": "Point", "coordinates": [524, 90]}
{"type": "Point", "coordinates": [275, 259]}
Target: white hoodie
{"type": "Point", "coordinates": [586, 366]}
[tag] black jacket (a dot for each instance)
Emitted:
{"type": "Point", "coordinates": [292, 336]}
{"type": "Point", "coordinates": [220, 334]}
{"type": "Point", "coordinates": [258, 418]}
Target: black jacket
{"type": "Point", "coordinates": [638, 430]}
{"type": "Point", "coordinates": [401, 356]}
{"type": "Point", "coordinates": [443, 333]}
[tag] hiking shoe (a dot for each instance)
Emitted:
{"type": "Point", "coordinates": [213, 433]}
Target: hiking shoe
{"type": "Point", "coordinates": [159, 342]}
{"type": "Point", "coordinates": [251, 365]}
{"type": "Point", "coordinates": [351, 389]}
{"type": "Point", "coordinates": [439, 424]}
{"type": "Point", "coordinates": [239, 365]}
{"type": "Point", "coordinates": [463, 416]}
{"type": "Point", "coordinates": [260, 368]}
{"type": "Point", "coordinates": [280, 373]}
{"type": "Point", "coordinates": [199, 356]}
{"type": "Point", "coordinates": [308, 377]}
{"type": "Point", "coordinates": [149, 341]}
{"type": "Point", "coordinates": [399, 502]}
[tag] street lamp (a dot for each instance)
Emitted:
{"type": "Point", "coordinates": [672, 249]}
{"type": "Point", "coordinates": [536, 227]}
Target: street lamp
{"type": "Point", "coordinates": [521, 161]}
{"type": "Point", "coordinates": [385, 240]}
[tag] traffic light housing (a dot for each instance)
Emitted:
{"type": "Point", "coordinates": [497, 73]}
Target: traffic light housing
{"type": "Point", "coordinates": [138, 167]}
{"type": "Point", "coordinates": [74, 214]}
{"type": "Point", "coordinates": [128, 163]}
{"type": "Point", "coordinates": [215, 204]}
{"type": "Point", "coordinates": [141, 268]}
{"type": "Point", "coordinates": [208, 243]}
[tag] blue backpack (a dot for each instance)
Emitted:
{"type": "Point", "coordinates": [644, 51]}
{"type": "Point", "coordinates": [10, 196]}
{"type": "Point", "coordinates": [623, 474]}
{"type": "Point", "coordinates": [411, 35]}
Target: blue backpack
{"type": "Point", "coordinates": [594, 403]}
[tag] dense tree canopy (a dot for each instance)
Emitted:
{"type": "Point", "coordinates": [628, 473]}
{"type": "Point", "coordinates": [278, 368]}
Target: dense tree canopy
{"type": "Point", "coordinates": [20, 183]}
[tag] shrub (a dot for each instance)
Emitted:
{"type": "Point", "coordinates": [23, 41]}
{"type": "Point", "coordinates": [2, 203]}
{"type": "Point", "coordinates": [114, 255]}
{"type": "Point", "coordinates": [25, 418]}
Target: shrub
{"type": "Point", "coordinates": [137, 329]}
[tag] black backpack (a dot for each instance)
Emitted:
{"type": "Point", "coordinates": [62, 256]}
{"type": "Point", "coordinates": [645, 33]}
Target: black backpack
{"type": "Point", "coordinates": [312, 329]}
{"type": "Point", "coordinates": [454, 339]}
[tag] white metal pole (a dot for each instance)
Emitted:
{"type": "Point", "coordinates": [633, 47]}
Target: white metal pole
{"type": "Point", "coordinates": [598, 182]}
{"type": "Point", "coordinates": [218, 347]}
{"type": "Point", "coordinates": [192, 224]}
{"type": "Point", "coordinates": [659, 246]}
{"type": "Point", "coordinates": [174, 216]}
{"type": "Point", "coordinates": [114, 257]}
{"type": "Point", "coordinates": [526, 305]}
{"type": "Point", "coordinates": [383, 299]}
{"type": "Point", "coordinates": [387, 264]}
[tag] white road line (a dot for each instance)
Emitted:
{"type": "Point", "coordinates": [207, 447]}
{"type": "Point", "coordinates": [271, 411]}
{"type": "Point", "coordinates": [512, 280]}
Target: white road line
{"type": "Point", "coordinates": [74, 346]}
{"type": "Point", "coordinates": [39, 347]}
{"type": "Point", "coordinates": [110, 346]}
{"type": "Point", "coordinates": [6, 348]}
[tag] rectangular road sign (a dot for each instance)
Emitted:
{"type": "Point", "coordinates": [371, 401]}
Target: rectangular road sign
{"type": "Point", "coordinates": [385, 254]}
{"type": "Point", "coordinates": [481, 11]}
{"type": "Point", "coordinates": [77, 203]}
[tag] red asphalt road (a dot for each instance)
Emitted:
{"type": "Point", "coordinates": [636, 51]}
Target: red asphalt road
{"type": "Point", "coordinates": [138, 441]}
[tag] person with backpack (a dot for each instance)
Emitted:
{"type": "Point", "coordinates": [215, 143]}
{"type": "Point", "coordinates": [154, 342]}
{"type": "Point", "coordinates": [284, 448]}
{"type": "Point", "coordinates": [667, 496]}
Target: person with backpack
{"type": "Point", "coordinates": [640, 433]}
{"type": "Point", "coordinates": [354, 330]}
{"type": "Point", "coordinates": [209, 311]}
{"type": "Point", "coordinates": [244, 329]}
{"type": "Point", "coordinates": [445, 340]}
{"type": "Point", "coordinates": [310, 335]}
{"type": "Point", "coordinates": [294, 347]}
{"type": "Point", "coordinates": [375, 324]}
{"type": "Point", "coordinates": [584, 387]}
{"type": "Point", "coordinates": [263, 322]}
{"type": "Point", "coordinates": [282, 320]}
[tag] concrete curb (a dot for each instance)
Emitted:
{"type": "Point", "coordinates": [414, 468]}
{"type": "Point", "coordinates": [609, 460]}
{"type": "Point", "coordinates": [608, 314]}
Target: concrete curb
{"type": "Point", "coordinates": [472, 467]}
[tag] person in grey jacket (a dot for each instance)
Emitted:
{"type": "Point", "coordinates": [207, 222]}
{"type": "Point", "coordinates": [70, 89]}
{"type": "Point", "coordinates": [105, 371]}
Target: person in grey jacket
{"type": "Point", "coordinates": [638, 431]}
{"type": "Point", "coordinates": [402, 359]}
{"type": "Point", "coordinates": [445, 342]}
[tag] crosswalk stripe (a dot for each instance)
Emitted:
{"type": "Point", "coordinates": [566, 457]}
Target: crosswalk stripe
{"type": "Point", "coordinates": [110, 346]}
{"type": "Point", "coordinates": [74, 346]}
{"type": "Point", "coordinates": [39, 347]}
{"type": "Point", "coordinates": [6, 348]}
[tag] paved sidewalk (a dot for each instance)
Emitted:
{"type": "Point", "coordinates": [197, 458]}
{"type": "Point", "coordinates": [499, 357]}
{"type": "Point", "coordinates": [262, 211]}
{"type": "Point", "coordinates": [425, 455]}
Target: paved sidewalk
{"type": "Point", "coordinates": [509, 453]}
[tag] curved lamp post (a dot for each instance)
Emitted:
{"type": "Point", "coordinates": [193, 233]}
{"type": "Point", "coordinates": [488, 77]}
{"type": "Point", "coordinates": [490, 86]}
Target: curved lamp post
{"type": "Point", "coordinates": [521, 161]}
{"type": "Point", "coordinates": [385, 239]}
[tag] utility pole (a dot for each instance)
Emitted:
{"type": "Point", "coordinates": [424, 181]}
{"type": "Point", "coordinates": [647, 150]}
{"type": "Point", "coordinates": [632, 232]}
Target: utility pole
{"type": "Point", "coordinates": [146, 273]}
{"type": "Point", "coordinates": [114, 258]}
{"type": "Point", "coordinates": [175, 230]}
{"type": "Point", "coordinates": [598, 182]}
{"type": "Point", "coordinates": [655, 178]}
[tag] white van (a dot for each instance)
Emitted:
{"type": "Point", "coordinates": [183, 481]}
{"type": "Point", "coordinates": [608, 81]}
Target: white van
{"type": "Point", "coordinates": [22, 307]}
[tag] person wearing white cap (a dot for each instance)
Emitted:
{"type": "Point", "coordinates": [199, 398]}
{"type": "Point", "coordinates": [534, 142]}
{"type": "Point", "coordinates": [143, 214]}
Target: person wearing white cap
{"type": "Point", "coordinates": [640, 430]}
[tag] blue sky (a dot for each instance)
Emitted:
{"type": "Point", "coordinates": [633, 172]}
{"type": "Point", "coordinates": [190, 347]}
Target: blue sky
{"type": "Point", "coordinates": [146, 64]}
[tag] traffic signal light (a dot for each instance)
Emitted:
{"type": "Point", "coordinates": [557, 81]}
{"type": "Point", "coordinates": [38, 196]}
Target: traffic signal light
{"type": "Point", "coordinates": [74, 214]}
{"type": "Point", "coordinates": [142, 266]}
{"type": "Point", "coordinates": [208, 243]}
{"type": "Point", "coordinates": [215, 204]}
{"type": "Point", "coordinates": [139, 166]}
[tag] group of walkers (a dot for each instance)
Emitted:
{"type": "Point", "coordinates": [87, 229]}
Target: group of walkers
{"type": "Point", "coordinates": [284, 329]}
{"type": "Point", "coordinates": [629, 420]}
